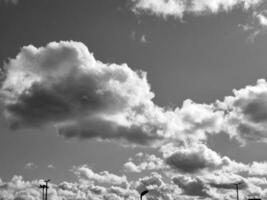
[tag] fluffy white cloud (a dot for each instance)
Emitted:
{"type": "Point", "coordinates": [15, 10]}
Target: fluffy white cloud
{"type": "Point", "coordinates": [85, 173]}
{"type": "Point", "coordinates": [258, 169]}
{"type": "Point", "coordinates": [157, 188]}
{"type": "Point", "coordinates": [144, 162]}
{"type": "Point", "coordinates": [257, 14]}
{"type": "Point", "coordinates": [18, 189]}
{"type": "Point", "coordinates": [63, 84]}
{"type": "Point", "coordinates": [103, 186]}
{"type": "Point", "coordinates": [247, 113]}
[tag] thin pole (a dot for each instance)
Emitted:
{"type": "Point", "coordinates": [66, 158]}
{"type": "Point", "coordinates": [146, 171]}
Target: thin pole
{"type": "Point", "coordinates": [46, 188]}
{"type": "Point", "coordinates": [42, 187]}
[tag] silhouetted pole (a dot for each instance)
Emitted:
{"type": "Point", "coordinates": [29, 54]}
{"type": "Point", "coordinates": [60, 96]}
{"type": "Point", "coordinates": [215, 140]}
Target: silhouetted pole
{"type": "Point", "coordinates": [42, 187]}
{"type": "Point", "coordinates": [143, 193]}
{"type": "Point", "coordinates": [236, 185]}
{"type": "Point", "coordinates": [46, 188]}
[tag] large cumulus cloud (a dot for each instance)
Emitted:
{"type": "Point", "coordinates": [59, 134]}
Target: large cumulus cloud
{"type": "Point", "coordinates": [195, 158]}
{"type": "Point", "coordinates": [63, 84]}
{"type": "Point", "coordinates": [246, 117]}
{"type": "Point", "coordinates": [192, 187]}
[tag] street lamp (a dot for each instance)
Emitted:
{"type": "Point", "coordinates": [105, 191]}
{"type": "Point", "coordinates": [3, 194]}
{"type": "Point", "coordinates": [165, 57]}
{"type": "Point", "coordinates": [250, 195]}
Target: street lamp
{"type": "Point", "coordinates": [46, 187]}
{"type": "Point", "coordinates": [43, 188]}
{"type": "Point", "coordinates": [143, 193]}
{"type": "Point", "coordinates": [236, 185]}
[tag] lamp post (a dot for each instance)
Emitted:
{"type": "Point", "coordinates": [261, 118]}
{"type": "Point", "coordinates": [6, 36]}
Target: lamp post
{"type": "Point", "coordinates": [43, 188]}
{"type": "Point", "coordinates": [143, 193]}
{"type": "Point", "coordinates": [46, 187]}
{"type": "Point", "coordinates": [236, 185]}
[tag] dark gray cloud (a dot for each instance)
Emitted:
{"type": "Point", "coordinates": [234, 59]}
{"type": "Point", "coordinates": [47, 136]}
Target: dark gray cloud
{"type": "Point", "coordinates": [228, 185]}
{"type": "Point", "coordinates": [195, 159]}
{"type": "Point", "coordinates": [247, 113]}
{"type": "Point", "coordinates": [254, 107]}
{"type": "Point", "coordinates": [192, 187]}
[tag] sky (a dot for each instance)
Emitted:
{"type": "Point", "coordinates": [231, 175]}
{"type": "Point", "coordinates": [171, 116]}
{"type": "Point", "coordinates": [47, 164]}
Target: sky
{"type": "Point", "coordinates": [108, 98]}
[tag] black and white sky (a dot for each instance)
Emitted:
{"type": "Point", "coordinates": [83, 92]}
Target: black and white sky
{"type": "Point", "coordinates": [111, 97]}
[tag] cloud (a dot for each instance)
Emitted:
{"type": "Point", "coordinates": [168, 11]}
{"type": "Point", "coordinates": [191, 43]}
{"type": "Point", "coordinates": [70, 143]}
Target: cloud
{"type": "Point", "coordinates": [246, 117]}
{"type": "Point", "coordinates": [143, 39]}
{"type": "Point", "coordinates": [85, 173]}
{"type": "Point", "coordinates": [157, 188]}
{"type": "Point", "coordinates": [31, 165]}
{"type": "Point", "coordinates": [255, 25]}
{"type": "Point", "coordinates": [64, 85]}
{"type": "Point", "coordinates": [192, 187]}
{"type": "Point", "coordinates": [17, 188]}
{"type": "Point", "coordinates": [105, 185]}
{"type": "Point", "coordinates": [50, 166]}
{"type": "Point", "coordinates": [145, 162]}
{"type": "Point", "coordinates": [10, 1]}
{"type": "Point", "coordinates": [226, 181]}
{"type": "Point", "coordinates": [178, 8]}
{"type": "Point", "coordinates": [195, 158]}
{"type": "Point", "coordinates": [258, 169]}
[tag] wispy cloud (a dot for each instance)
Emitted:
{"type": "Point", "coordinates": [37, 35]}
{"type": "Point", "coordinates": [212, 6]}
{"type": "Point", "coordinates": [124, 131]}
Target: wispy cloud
{"type": "Point", "coordinates": [178, 8]}
{"type": "Point", "coordinates": [10, 1]}
{"type": "Point", "coordinates": [31, 165]}
{"type": "Point", "coordinates": [256, 9]}
{"type": "Point", "coordinates": [50, 166]}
